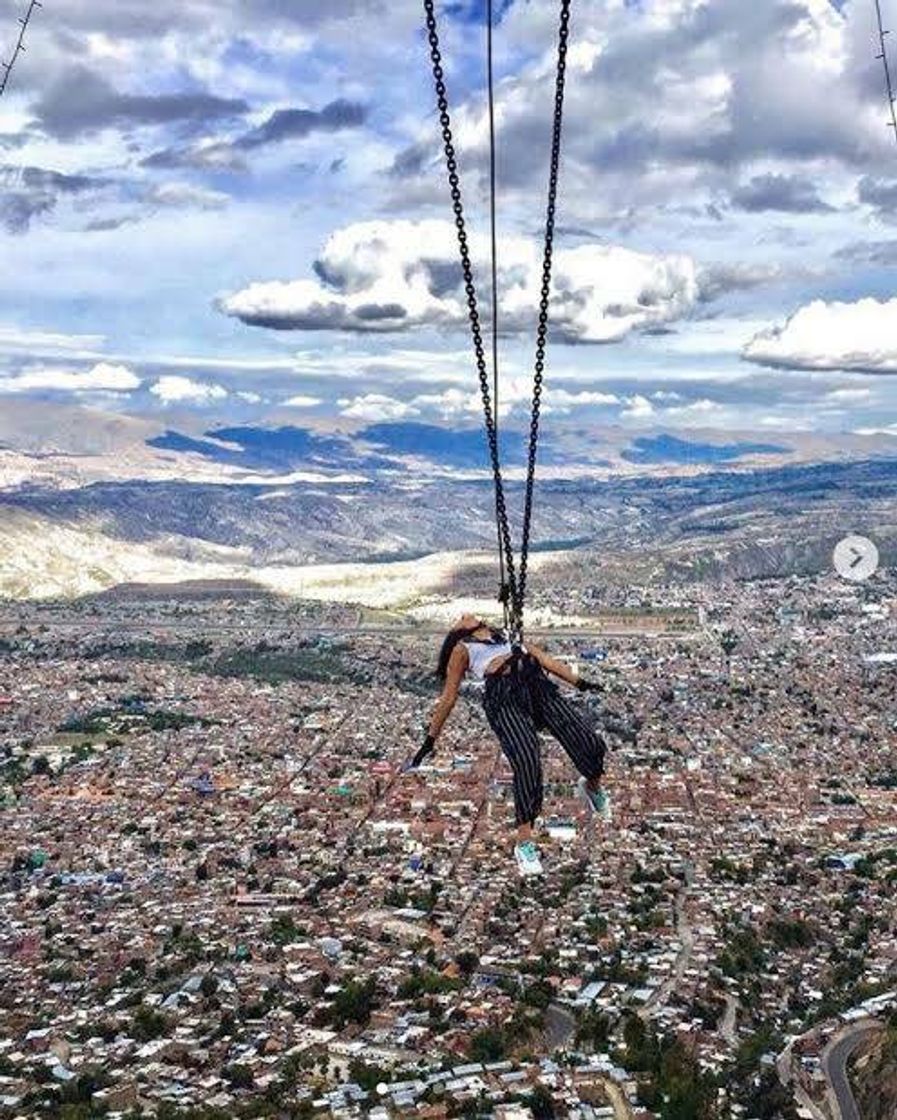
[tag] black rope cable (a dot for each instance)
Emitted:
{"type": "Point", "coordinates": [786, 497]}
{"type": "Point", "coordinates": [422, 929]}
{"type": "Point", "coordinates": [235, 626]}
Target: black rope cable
{"type": "Point", "coordinates": [883, 56]}
{"type": "Point", "coordinates": [545, 298]}
{"type": "Point", "coordinates": [513, 590]}
{"type": "Point", "coordinates": [19, 47]}
{"type": "Point", "coordinates": [451, 162]}
{"type": "Point", "coordinates": [503, 597]}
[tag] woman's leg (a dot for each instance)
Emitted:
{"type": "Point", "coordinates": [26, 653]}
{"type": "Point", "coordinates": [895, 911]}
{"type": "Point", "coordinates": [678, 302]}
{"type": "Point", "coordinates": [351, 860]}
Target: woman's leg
{"type": "Point", "coordinates": [573, 731]}
{"type": "Point", "coordinates": [516, 730]}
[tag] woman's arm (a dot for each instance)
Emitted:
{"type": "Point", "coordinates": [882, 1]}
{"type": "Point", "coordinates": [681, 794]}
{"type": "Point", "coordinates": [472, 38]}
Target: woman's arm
{"type": "Point", "coordinates": [551, 664]}
{"type": "Point", "coordinates": [457, 667]}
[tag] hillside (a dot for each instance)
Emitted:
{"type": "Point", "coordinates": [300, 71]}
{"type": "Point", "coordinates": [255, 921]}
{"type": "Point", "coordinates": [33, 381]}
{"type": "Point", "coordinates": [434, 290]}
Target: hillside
{"type": "Point", "coordinates": [382, 543]}
{"type": "Point", "coordinates": [874, 1077]}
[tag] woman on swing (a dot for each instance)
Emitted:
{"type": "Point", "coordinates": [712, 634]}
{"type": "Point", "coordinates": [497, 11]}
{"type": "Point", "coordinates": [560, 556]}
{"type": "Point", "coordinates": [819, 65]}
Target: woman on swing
{"type": "Point", "coordinates": [520, 701]}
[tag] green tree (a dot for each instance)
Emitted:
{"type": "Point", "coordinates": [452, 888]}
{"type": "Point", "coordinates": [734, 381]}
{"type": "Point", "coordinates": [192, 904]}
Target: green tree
{"type": "Point", "coordinates": [208, 985]}
{"type": "Point", "coordinates": [148, 1024]}
{"type": "Point", "coordinates": [487, 1045]}
{"type": "Point", "coordinates": [367, 1075]}
{"type": "Point", "coordinates": [541, 1102]}
{"type": "Point", "coordinates": [354, 1002]}
{"type": "Point", "coordinates": [238, 1076]}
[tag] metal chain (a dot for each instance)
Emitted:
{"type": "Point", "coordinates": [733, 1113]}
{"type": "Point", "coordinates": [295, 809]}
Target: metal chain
{"type": "Point", "coordinates": [19, 47]}
{"type": "Point", "coordinates": [513, 591]}
{"type": "Point", "coordinates": [493, 226]}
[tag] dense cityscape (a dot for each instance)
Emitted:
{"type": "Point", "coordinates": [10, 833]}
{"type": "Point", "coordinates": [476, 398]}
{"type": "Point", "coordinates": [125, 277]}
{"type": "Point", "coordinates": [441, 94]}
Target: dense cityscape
{"type": "Point", "coordinates": [221, 898]}
{"type": "Point", "coordinates": [323, 325]}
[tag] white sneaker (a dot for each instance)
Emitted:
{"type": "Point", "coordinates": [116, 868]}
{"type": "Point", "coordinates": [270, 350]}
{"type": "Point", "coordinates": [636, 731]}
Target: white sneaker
{"type": "Point", "coordinates": [598, 800]}
{"type": "Point", "coordinates": [527, 856]}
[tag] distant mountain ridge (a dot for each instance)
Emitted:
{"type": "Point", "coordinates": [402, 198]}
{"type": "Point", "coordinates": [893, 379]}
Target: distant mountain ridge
{"type": "Point", "coordinates": [388, 445]}
{"type": "Point", "coordinates": [346, 521]}
{"type": "Point", "coordinates": [665, 448]}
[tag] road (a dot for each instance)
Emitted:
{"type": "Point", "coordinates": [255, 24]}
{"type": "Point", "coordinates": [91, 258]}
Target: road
{"type": "Point", "coordinates": [834, 1065]}
{"type": "Point", "coordinates": [729, 1023]}
{"type": "Point", "coordinates": [560, 1027]}
{"type": "Point", "coordinates": [286, 630]}
{"type": "Point", "coordinates": [614, 1094]}
{"type": "Point", "coordinates": [687, 940]}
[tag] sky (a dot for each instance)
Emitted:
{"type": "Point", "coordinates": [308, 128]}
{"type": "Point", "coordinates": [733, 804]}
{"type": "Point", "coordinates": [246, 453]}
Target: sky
{"type": "Point", "coordinates": [237, 209]}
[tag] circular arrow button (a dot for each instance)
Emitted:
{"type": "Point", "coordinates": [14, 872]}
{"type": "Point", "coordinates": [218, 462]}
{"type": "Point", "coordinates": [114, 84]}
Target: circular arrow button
{"type": "Point", "coordinates": [856, 558]}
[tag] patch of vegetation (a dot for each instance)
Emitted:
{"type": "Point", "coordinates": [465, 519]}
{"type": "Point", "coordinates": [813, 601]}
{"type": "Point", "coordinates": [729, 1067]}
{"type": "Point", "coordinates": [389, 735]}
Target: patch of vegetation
{"type": "Point", "coordinates": [426, 982]}
{"type": "Point", "coordinates": [148, 1025]}
{"type": "Point", "coordinates": [263, 662]}
{"type": "Point", "coordinates": [354, 1003]}
{"type": "Point", "coordinates": [673, 1084]}
{"type": "Point", "coordinates": [101, 720]}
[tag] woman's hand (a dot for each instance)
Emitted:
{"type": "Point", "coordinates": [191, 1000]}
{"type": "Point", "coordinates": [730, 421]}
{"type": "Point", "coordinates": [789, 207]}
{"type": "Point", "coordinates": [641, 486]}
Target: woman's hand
{"type": "Point", "coordinates": [429, 746]}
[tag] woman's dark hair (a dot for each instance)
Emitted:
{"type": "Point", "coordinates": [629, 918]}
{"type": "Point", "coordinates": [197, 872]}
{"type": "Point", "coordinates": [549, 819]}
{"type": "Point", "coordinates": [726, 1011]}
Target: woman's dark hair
{"type": "Point", "coordinates": [455, 636]}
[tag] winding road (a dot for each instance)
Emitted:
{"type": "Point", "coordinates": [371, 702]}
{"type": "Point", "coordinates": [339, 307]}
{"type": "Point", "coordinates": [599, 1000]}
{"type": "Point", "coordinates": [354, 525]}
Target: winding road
{"type": "Point", "coordinates": [834, 1066]}
{"type": "Point", "coordinates": [560, 1026]}
{"type": "Point", "coordinates": [687, 941]}
{"type": "Point", "coordinates": [728, 1026]}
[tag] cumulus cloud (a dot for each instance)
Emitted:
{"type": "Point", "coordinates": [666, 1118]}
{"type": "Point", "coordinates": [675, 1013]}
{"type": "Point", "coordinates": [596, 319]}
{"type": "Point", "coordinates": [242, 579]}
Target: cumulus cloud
{"type": "Point", "coordinates": [720, 278]}
{"type": "Point", "coordinates": [373, 407]}
{"type": "Point", "coordinates": [184, 196]}
{"type": "Point", "coordinates": [880, 195]}
{"type": "Point", "coordinates": [302, 400]}
{"type": "Point", "coordinates": [859, 336]}
{"type": "Point", "coordinates": [30, 192]}
{"type": "Point", "coordinates": [868, 252]}
{"type": "Point", "coordinates": [392, 276]}
{"type": "Point", "coordinates": [217, 155]}
{"type": "Point", "coordinates": [80, 102]}
{"type": "Point", "coordinates": [173, 389]}
{"type": "Point", "coordinates": [638, 408]}
{"type": "Point", "coordinates": [102, 377]}
{"type": "Point", "coordinates": [692, 95]}
{"type": "Point", "coordinates": [791, 194]}
{"type": "Point", "coordinates": [295, 124]}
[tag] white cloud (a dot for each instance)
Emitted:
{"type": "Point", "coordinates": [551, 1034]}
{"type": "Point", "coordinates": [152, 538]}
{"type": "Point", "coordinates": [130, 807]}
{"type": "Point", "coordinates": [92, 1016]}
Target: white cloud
{"type": "Point", "coordinates": [13, 339]}
{"type": "Point", "coordinates": [172, 389]}
{"type": "Point", "coordinates": [700, 407]}
{"type": "Point", "coordinates": [302, 401]}
{"type": "Point", "coordinates": [889, 430]}
{"type": "Point", "coordinates": [381, 276]}
{"type": "Point", "coordinates": [859, 336]}
{"type": "Point", "coordinates": [103, 377]}
{"type": "Point", "coordinates": [373, 407]}
{"type": "Point", "coordinates": [690, 94]}
{"type": "Point", "coordinates": [638, 408]}
{"type": "Point", "coordinates": [846, 396]}
{"type": "Point", "coordinates": [453, 403]}
{"type": "Point", "coordinates": [562, 401]}
{"type": "Point", "coordinates": [186, 196]}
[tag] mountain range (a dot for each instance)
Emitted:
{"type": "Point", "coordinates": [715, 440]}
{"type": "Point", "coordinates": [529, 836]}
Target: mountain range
{"type": "Point", "coordinates": [90, 499]}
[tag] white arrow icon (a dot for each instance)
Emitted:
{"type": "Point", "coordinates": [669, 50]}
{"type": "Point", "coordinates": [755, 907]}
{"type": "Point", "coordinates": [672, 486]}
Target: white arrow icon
{"type": "Point", "coordinates": [856, 558]}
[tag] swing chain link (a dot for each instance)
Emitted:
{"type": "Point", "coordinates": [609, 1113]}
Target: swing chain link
{"type": "Point", "coordinates": [513, 591]}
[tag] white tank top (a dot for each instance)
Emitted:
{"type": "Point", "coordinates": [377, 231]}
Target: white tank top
{"type": "Point", "coordinates": [482, 654]}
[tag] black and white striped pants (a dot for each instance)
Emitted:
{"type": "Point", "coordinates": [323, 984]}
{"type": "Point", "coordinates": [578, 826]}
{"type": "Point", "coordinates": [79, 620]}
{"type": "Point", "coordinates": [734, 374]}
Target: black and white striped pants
{"type": "Point", "coordinates": [518, 705]}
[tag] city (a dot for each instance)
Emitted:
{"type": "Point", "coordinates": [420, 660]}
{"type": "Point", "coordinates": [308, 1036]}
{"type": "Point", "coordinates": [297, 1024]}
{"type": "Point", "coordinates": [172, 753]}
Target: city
{"type": "Point", "coordinates": [223, 899]}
